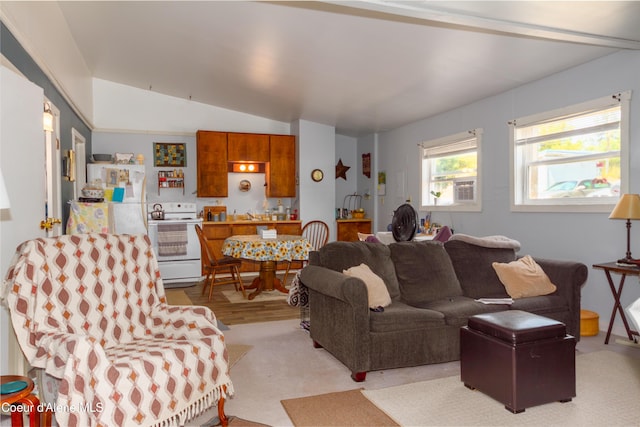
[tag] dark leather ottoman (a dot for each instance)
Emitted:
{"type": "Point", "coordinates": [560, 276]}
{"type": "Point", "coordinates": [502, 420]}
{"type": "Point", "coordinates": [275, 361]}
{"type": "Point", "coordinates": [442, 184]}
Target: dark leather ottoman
{"type": "Point", "coordinates": [518, 358]}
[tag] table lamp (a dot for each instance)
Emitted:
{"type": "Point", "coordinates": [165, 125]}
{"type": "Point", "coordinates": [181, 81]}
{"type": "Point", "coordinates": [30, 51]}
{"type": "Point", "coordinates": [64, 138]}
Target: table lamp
{"type": "Point", "coordinates": [628, 207]}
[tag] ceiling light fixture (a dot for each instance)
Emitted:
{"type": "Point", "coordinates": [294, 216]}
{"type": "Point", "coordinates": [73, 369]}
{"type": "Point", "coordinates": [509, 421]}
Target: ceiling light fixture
{"type": "Point", "coordinates": [47, 118]}
{"type": "Point", "coordinates": [246, 167]}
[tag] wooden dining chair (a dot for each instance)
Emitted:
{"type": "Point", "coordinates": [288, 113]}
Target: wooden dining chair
{"type": "Point", "coordinates": [213, 266]}
{"type": "Point", "coordinates": [317, 233]}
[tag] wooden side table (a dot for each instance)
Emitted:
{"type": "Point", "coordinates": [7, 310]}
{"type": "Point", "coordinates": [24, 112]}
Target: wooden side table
{"type": "Point", "coordinates": [623, 271]}
{"type": "Point", "coordinates": [24, 398]}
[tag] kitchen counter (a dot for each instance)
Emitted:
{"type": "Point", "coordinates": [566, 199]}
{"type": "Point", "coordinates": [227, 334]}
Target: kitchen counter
{"type": "Point", "coordinates": [252, 221]}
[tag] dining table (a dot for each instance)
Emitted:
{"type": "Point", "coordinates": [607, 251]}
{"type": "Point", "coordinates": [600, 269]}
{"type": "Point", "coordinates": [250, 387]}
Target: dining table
{"type": "Point", "coordinates": [267, 251]}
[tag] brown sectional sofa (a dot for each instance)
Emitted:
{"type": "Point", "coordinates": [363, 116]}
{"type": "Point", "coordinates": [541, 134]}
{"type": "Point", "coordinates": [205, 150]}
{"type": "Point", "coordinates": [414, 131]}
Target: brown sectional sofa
{"type": "Point", "coordinates": [433, 288]}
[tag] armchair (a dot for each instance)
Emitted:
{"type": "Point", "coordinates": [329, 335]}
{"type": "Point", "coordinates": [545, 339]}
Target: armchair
{"type": "Point", "coordinates": [90, 310]}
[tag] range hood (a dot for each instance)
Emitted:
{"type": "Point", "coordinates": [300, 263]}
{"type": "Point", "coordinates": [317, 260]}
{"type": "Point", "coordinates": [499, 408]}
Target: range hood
{"type": "Point", "coordinates": [246, 167]}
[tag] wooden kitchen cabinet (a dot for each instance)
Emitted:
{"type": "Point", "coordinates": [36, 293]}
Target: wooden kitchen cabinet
{"type": "Point", "coordinates": [281, 169]}
{"type": "Point", "coordinates": [294, 228]}
{"type": "Point", "coordinates": [248, 147]}
{"type": "Point", "coordinates": [348, 229]}
{"type": "Point", "coordinates": [212, 164]}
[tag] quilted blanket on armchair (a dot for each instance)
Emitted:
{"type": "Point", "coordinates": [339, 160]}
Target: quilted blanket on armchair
{"type": "Point", "coordinates": [90, 310]}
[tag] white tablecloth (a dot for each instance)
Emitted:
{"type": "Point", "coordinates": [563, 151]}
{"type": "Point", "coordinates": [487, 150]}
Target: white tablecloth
{"type": "Point", "coordinates": [386, 237]}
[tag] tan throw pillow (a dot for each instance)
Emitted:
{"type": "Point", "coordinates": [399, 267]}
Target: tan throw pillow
{"type": "Point", "coordinates": [524, 278]}
{"type": "Point", "coordinates": [376, 289]}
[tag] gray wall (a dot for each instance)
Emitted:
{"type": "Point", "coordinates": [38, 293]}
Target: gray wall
{"type": "Point", "coordinates": [586, 237]}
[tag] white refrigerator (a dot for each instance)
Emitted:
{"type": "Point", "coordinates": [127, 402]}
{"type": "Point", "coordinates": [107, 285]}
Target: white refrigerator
{"type": "Point", "coordinates": [128, 216]}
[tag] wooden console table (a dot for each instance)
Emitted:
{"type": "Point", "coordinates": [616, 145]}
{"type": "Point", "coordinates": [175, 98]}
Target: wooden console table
{"type": "Point", "coordinates": [623, 271]}
{"type": "Point", "coordinates": [348, 229]}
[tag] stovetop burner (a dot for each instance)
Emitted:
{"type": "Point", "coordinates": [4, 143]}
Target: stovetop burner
{"type": "Point", "coordinates": [176, 210]}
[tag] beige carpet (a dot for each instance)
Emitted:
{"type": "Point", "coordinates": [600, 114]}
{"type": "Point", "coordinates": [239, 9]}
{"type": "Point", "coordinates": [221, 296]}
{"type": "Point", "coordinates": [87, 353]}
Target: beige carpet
{"type": "Point", "coordinates": [346, 408]}
{"type": "Point", "coordinates": [607, 388]}
{"type": "Point", "coordinates": [236, 296]}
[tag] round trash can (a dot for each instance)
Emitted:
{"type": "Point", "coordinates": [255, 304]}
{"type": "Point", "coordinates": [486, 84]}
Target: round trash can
{"type": "Point", "coordinates": [589, 323]}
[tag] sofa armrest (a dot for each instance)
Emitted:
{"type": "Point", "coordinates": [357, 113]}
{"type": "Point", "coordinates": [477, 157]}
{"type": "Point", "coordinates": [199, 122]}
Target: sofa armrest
{"type": "Point", "coordinates": [568, 276]}
{"type": "Point", "coordinates": [339, 315]}
{"type": "Point", "coordinates": [335, 284]}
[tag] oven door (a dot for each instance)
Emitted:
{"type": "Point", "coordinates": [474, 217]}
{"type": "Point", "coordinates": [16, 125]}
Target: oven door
{"type": "Point", "coordinates": [178, 270]}
{"type": "Point", "coordinates": [193, 244]}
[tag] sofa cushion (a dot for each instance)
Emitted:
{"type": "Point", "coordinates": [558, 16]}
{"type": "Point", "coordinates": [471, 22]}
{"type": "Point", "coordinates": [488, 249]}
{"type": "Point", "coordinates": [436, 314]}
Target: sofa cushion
{"type": "Point", "coordinates": [340, 256]}
{"type": "Point", "coordinates": [473, 267]}
{"type": "Point", "coordinates": [524, 278]}
{"type": "Point", "coordinates": [401, 317]}
{"type": "Point", "coordinates": [424, 271]}
{"type": "Point", "coordinates": [377, 292]}
{"type": "Point", "coordinates": [457, 310]}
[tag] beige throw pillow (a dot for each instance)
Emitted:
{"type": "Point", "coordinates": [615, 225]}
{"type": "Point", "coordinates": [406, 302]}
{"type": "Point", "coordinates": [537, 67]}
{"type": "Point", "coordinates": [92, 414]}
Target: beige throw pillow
{"type": "Point", "coordinates": [376, 289]}
{"type": "Point", "coordinates": [524, 278]}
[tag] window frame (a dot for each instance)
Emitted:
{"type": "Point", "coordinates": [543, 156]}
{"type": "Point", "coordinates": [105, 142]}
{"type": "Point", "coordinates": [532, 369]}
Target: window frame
{"type": "Point", "coordinates": [517, 172]}
{"type": "Point", "coordinates": [475, 206]}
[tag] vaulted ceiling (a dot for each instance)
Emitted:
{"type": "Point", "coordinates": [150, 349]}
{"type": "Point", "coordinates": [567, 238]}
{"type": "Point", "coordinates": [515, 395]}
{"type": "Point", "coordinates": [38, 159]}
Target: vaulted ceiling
{"type": "Point", "coordinates": [362, 67]}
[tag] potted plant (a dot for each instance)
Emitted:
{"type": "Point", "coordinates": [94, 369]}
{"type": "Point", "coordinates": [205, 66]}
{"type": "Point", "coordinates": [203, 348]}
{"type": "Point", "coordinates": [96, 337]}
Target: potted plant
{"type": "Point", "coordinates": [436, 195]}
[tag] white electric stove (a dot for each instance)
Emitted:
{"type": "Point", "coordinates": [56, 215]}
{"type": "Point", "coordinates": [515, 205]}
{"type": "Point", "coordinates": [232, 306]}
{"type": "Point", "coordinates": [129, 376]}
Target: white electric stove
{"type": "Point", "coordinates": [182, 268]}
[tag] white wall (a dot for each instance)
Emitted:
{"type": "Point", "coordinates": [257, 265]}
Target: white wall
{"type": "Point", "coordinates": [44, 34]}
{"type": "Point", "coordinates": [368, 185]}
{"type": "Point", "coordinates": [125, 108]}
{"type": "Point", "coordinates": [346, 149]}
{"type": "Point", "coordinates": [316, 150]}
{"type": "Point", "coordinates": [589, 238]}
{"type": "Point", "coordinates": [21, 164]}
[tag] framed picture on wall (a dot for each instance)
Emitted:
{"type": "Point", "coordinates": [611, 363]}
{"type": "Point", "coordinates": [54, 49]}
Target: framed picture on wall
{"type": "Point", "coordinates": [169, 154]}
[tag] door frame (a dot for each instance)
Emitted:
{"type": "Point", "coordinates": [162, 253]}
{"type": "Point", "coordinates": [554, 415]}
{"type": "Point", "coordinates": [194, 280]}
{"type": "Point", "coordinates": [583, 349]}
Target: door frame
{"type": "Point", "coordinates": [53, 171]}
{"type": "Point", "coordinates": [79, 147]}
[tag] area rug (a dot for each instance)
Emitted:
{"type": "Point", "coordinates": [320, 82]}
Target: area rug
{"type": "Point", "coordinates": [177, 297]}
{"type": "Point", "coordinates": [236, 296]}
{"type": "Point", "coordinates": [236, 351]}
{"type": "Point", "coordinates": [607, 388]}
{"type": "Point", "coordinates": [347, 408]}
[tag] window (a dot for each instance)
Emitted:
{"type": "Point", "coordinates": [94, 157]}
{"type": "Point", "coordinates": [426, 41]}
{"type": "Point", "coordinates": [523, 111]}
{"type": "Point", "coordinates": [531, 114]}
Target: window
{"type": "Point", "coordinates": [571, 159]}
{"type": "Point", "coordinates": [450, 172]}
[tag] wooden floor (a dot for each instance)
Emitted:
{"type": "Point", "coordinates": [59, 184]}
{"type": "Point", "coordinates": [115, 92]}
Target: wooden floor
{"type": "Point", "coordinates": [250, 312]}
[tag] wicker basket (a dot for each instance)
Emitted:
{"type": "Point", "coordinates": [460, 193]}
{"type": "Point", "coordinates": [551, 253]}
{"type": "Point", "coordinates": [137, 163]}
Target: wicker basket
{"type": "Point", "coordinates": [589, 325]}
{"type": "Point", "coordinates": [357, 215]}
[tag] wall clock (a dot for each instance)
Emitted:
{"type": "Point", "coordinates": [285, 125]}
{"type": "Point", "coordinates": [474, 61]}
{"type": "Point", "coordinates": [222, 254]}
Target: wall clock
{"type": "Point", "coordinates": [317, 175]}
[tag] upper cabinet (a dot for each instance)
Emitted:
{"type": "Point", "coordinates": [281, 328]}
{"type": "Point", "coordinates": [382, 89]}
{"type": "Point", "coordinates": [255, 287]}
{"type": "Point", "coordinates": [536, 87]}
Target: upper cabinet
{"type": "Point", "coordinates": [212, 164]}
{"type": "Point", "coordinates": [281, 169]}
{"type": "Point", "coordinates": [216, 149]}
{"type": "Point", "coordinates": [248, 147]}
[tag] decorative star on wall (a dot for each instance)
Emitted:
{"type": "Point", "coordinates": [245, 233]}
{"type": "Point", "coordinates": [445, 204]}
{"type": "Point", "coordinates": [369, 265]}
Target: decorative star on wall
{"type": "Point", "coordinates": [341, 170]}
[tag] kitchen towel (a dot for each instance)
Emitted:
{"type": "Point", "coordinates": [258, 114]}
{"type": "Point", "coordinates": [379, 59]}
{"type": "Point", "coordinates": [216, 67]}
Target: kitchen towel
{"type": "Point", "coordinates": [172, 239]}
